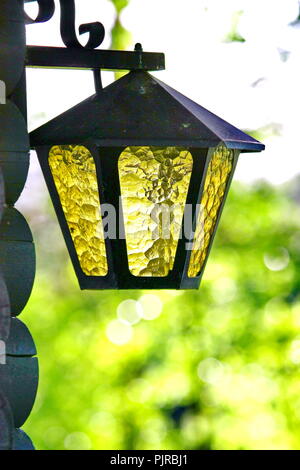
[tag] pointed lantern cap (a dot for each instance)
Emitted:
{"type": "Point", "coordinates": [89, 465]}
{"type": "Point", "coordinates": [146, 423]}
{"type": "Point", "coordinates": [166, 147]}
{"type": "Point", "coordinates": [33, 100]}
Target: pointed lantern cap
{"type": "Point", "coordinates": [139, 109]}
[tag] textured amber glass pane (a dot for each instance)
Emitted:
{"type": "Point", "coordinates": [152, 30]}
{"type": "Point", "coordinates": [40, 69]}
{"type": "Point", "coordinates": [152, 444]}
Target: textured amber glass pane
{"type": "Point", "coordinates": [218, 173]}
{"type": "Point", "coordinates": [154, 184]}
{"type": "Point", "coordinates": [74, 173]}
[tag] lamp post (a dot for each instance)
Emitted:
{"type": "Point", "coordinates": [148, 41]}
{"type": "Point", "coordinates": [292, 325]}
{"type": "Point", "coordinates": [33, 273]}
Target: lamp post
{"type": "Point", "coordinates": [140, 150]}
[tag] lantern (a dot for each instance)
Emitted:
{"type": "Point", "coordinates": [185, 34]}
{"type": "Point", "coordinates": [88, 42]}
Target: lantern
{"type": "Point", "coordinates": [138, 175]}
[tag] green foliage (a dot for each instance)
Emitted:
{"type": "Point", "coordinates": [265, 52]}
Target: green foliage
{"type": "Point", "coordinates": [120, 4]}
{"type": "Point", "coordinates": [265, 132]}
{"type": "Point", "coordinates": [218, 369]}
{"type": "Point", "coordinates": [121, 37]}
{"type": "Point", "coordinates": [233, 35]}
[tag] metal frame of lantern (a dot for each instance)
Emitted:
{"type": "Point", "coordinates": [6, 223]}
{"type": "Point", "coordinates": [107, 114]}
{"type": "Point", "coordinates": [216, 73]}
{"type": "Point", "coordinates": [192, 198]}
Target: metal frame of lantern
{"type": "Point", "coordinates": [119, 275]}
{"type": "Point", "coordinates": [126, 114]}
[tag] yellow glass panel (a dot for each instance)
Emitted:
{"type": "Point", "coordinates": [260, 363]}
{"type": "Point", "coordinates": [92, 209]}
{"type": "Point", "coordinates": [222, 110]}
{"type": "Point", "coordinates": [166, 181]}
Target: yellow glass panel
{"type": "Point", "coordinates": [218, 173]}
{"type": "Point", "coordinates": [154, 184]}
{"type": "Point", "coordinates": [74, 173]}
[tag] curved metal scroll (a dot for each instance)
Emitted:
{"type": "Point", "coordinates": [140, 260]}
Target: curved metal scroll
{"type": "Point", "coordinates": [46, 11]}
{"type": "Point", "coordinates": [68, 31]}
{"type": "Point", "coordinates": [67, 24]}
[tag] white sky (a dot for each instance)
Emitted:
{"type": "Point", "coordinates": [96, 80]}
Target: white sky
{"type": "Point", "coordinates": [218, 75]}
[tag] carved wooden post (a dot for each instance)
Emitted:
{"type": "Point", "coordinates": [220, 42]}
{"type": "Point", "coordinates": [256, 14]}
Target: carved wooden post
{"type": "Point", "coordinates": [18, 367]}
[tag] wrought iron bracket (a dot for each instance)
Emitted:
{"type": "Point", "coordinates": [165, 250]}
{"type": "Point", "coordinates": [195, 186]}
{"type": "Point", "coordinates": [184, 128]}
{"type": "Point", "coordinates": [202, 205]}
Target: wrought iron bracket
{"type": "Point", "coordinates": [77, 56]}
{"type": "Point", "coordinates": [60, 57]}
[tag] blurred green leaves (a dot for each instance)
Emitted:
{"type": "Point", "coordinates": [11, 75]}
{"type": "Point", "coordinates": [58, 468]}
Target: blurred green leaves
{"type": "Point", "coordinates": [121, 37]}
{"type": "Point", "coordinates": [217, 368]}
{"type": "Point", "coordinates": [120, 4]}
{"type": "Point", "coordinates": [233, 35]}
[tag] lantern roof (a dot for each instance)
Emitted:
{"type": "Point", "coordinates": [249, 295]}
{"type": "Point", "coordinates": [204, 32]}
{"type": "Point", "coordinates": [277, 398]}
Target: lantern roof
{"type": "Point", "coordinates": [139, 109]}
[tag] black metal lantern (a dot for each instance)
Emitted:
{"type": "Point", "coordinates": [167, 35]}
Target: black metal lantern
{"type": "Point", "coordinates": [140, 142]}
{"type": "Point", "coordinates": [157, 161]}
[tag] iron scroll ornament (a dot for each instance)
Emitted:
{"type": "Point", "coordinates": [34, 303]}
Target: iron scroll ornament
{"type": "Point", "coordinates": [67, 24]}
{"type": "Point", "coordinates": [45, 12]}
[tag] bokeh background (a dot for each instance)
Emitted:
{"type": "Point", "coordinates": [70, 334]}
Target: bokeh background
{"type": "Point", "coordinates": [216, 368]}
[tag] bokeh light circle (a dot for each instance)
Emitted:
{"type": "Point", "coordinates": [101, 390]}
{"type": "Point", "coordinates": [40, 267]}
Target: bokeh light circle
{"type": "Point", "coordinates": [151, 306]}
{"type": "Point", "coordinates": [119, 333]}
{"type": "Point", "coordinates": [129, 312]}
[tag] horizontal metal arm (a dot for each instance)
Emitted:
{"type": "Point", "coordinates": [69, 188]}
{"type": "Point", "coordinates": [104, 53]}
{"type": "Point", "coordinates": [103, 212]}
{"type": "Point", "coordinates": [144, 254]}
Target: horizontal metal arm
{"type": "Point", "coordinates": [59, 57]}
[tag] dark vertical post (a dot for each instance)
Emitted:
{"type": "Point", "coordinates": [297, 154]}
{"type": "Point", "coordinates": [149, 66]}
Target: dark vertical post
{"type": "Point", "coordinates": [18, 366]}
